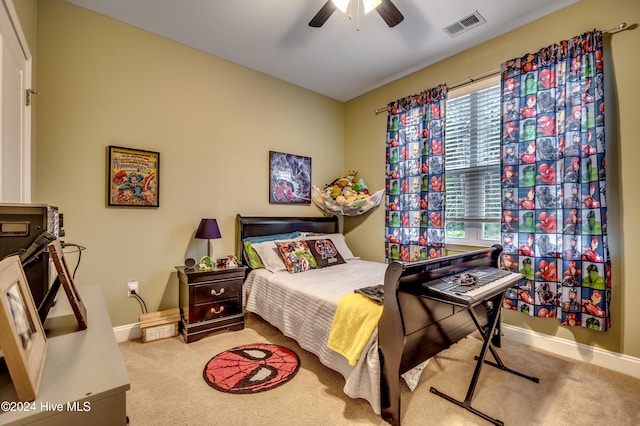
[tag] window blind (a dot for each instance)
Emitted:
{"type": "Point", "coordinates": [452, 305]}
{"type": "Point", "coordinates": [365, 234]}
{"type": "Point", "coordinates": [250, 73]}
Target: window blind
{"type": "Point", "coordinates": [473, 157]}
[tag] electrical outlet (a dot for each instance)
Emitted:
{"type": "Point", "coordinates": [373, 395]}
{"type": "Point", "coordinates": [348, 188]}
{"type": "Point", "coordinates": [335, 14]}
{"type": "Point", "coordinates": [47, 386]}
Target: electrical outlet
{"type": "Point", "coordinates": [132, 288]}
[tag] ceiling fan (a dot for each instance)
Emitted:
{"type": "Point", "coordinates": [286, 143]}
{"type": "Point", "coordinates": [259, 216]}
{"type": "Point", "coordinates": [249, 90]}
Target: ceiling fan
{"type": "Point", "coordinates": [385, 8]}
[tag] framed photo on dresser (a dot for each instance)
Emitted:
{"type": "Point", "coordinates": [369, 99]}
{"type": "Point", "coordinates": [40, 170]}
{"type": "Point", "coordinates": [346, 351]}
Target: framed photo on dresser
{"type": "Point", "coordinates": [22, 338]}
{"type": "Point", "coordinates": [66, 279]}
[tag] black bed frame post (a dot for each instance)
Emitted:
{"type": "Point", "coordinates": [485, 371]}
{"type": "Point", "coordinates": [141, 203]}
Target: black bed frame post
{"type": "Point", "coordinates": [239, 246]}
{"type": "Point", "coordinates": [390, 346]}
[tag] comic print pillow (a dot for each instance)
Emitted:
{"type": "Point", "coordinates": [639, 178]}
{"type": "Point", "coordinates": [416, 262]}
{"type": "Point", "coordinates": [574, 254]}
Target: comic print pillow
{"type": "Point", "coordinates": [296, 256]}
{"type": "Point", "coordinates": [325, 253]}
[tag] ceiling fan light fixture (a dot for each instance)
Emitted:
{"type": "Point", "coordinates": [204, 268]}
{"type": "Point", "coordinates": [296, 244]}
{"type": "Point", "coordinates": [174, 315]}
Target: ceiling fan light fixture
{"type": "Point", "coordinates": [341, 4]}
{"type": "Point", "coordinates": [385, 8]}
{"type": "Point", "coordinates": [369, 5]}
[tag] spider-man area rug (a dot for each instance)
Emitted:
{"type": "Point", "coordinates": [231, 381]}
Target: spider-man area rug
{"type": "Point", "coordinates": [251, 368]}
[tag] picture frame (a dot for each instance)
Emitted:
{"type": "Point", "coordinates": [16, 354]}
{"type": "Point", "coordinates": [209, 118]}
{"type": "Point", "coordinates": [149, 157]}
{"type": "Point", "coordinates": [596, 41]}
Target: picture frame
{"type": "Point", "coordinates": [289, 178]}
{"type": "Point", "coordinates": [66, 279]}
{"type": "Point", "coordinates": [22, 337]}
{"type": "Point", "coordinates": [133, 177]}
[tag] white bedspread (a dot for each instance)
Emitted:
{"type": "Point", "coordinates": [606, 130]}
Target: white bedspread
{"type": "Point", "coordinates": [302, 306]}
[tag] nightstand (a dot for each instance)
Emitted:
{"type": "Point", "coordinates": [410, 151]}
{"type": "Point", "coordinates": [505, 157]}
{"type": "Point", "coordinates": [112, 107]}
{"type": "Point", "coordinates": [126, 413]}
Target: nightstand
{"type": "Point", "coordinates": [210, 301]}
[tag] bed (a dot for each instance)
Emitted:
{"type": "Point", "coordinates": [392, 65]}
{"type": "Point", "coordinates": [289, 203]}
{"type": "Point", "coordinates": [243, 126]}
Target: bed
{"type": "Point", "coordinates": [410, 330]}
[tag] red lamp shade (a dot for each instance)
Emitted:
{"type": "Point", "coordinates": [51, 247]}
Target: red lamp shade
{"type": "Point", "coordinates": [208, 229]}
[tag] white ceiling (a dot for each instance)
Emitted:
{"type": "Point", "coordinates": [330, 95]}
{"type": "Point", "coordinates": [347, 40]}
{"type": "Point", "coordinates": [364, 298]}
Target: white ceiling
{"type": "Point", "coordinates": [343, 59]}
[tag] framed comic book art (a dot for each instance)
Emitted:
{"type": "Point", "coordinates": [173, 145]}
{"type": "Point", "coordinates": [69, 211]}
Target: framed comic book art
{"type": "Point", "coordinates": [133, 177]}
{"type": "Point", "coordinates": [22, 338]}
{"type": "Point", "coordinates": [289, 178]}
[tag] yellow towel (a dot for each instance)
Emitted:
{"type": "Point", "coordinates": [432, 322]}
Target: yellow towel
{"type": "Point", "coordinates": [354, 321]}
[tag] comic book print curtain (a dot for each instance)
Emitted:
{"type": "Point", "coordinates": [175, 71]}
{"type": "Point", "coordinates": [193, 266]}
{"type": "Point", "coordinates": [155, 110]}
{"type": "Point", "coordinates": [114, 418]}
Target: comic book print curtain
{"type": "Point", "coordinates": [554, 213]}
{"type": "Point", "coordinates": [415, 177]}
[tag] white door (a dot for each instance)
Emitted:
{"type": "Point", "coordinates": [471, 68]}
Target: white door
{"type": "Point", "coordinates": [15, 115]}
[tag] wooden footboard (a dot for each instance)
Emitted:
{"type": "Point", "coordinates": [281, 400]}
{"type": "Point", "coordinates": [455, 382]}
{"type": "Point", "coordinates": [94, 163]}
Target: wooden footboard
{"type": "Point", "coordinates": [413, 328]}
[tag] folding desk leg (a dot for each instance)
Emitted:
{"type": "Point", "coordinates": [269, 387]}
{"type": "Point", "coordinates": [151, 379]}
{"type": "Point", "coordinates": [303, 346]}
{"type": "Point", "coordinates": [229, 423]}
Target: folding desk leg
{"type": "Point", "coordinates": [498, 362]}
{"type": "Point", "coordinates": [500, 365]}
{"type": "Point", "coordinates": [487, 334]}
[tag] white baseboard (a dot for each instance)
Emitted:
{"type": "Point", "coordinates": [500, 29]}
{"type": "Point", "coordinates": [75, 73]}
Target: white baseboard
{"type": "Point", "coordinates": [580, 352]}
{"type": "Point", "coordinates": [127, 332]}
{"type": "Point", "coordinates": [614, 361]}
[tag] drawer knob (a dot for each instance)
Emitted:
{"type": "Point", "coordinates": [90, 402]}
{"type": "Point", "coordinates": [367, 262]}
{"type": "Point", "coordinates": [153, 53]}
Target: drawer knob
{"type": "Point", "coordinates": [214, 293]}
{"type": "Point", "coordinates": [219, 311]}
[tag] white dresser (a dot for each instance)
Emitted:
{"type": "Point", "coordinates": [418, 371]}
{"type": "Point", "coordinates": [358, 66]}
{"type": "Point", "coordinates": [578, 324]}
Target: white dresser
{"type": "Point", "coordinates": [84, 380]}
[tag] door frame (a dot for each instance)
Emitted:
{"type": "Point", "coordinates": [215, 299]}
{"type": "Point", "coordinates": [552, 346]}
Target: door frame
{"type": "Point", "coordinates": [17, 42]}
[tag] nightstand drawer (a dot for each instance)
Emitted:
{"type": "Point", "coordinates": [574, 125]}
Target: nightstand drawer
{"type": "Point", "coordinates": [222, 289]}
{"type": "Point", "coordinates": [213, 310]}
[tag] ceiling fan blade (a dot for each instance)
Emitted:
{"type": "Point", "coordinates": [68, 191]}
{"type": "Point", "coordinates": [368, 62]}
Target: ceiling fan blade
{"type": "Point", "coordinates": [390, 13]}
{"type": "Point", "coordinates": [323, 14]}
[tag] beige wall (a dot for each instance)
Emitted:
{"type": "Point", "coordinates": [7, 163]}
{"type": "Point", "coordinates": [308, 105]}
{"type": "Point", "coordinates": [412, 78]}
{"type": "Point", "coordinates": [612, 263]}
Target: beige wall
{"type": "Point", "coordinates": [105, 83]}
{"type": "Point", "coordinates": [365, 150]}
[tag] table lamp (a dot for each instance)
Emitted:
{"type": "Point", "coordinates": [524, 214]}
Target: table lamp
{"type": "Point", "coordinates": [208, 229]}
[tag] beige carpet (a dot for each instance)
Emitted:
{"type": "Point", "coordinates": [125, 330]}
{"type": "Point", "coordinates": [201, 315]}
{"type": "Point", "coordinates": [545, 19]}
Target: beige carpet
{"type": "Point", "coordinates": [167, 388]}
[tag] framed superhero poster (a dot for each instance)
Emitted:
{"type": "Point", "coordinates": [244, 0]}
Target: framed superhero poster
{"type": "Point", "coordinates": [133, 177]}
{"type": "Point", "coordinates": [289, 178]}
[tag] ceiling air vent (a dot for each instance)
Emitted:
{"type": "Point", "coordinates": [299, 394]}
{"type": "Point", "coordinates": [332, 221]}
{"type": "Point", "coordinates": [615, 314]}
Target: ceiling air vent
{"type": "Point", "coordinates": [464, 24]}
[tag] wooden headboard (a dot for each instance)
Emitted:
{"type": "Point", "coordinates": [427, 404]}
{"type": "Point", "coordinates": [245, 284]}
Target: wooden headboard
{"type": "Point", "coordinates": [256, 226]}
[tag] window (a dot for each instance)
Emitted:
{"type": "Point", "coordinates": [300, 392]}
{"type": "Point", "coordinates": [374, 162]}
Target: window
{"type": "Point", "coordinates": [473, 202]}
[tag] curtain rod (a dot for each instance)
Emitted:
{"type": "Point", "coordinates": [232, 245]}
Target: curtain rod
{"type": "Point", "coordinates": [620, 27]}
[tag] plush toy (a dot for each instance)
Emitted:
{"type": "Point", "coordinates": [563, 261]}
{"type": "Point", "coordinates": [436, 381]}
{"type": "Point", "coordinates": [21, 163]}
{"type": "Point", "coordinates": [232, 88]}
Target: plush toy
{"type": "Point", "coordinates": [335, 191]}
{"type": "Point", "coordinates": [360, 186]}
{"type": "Point", "coordinates": [206, 264]}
